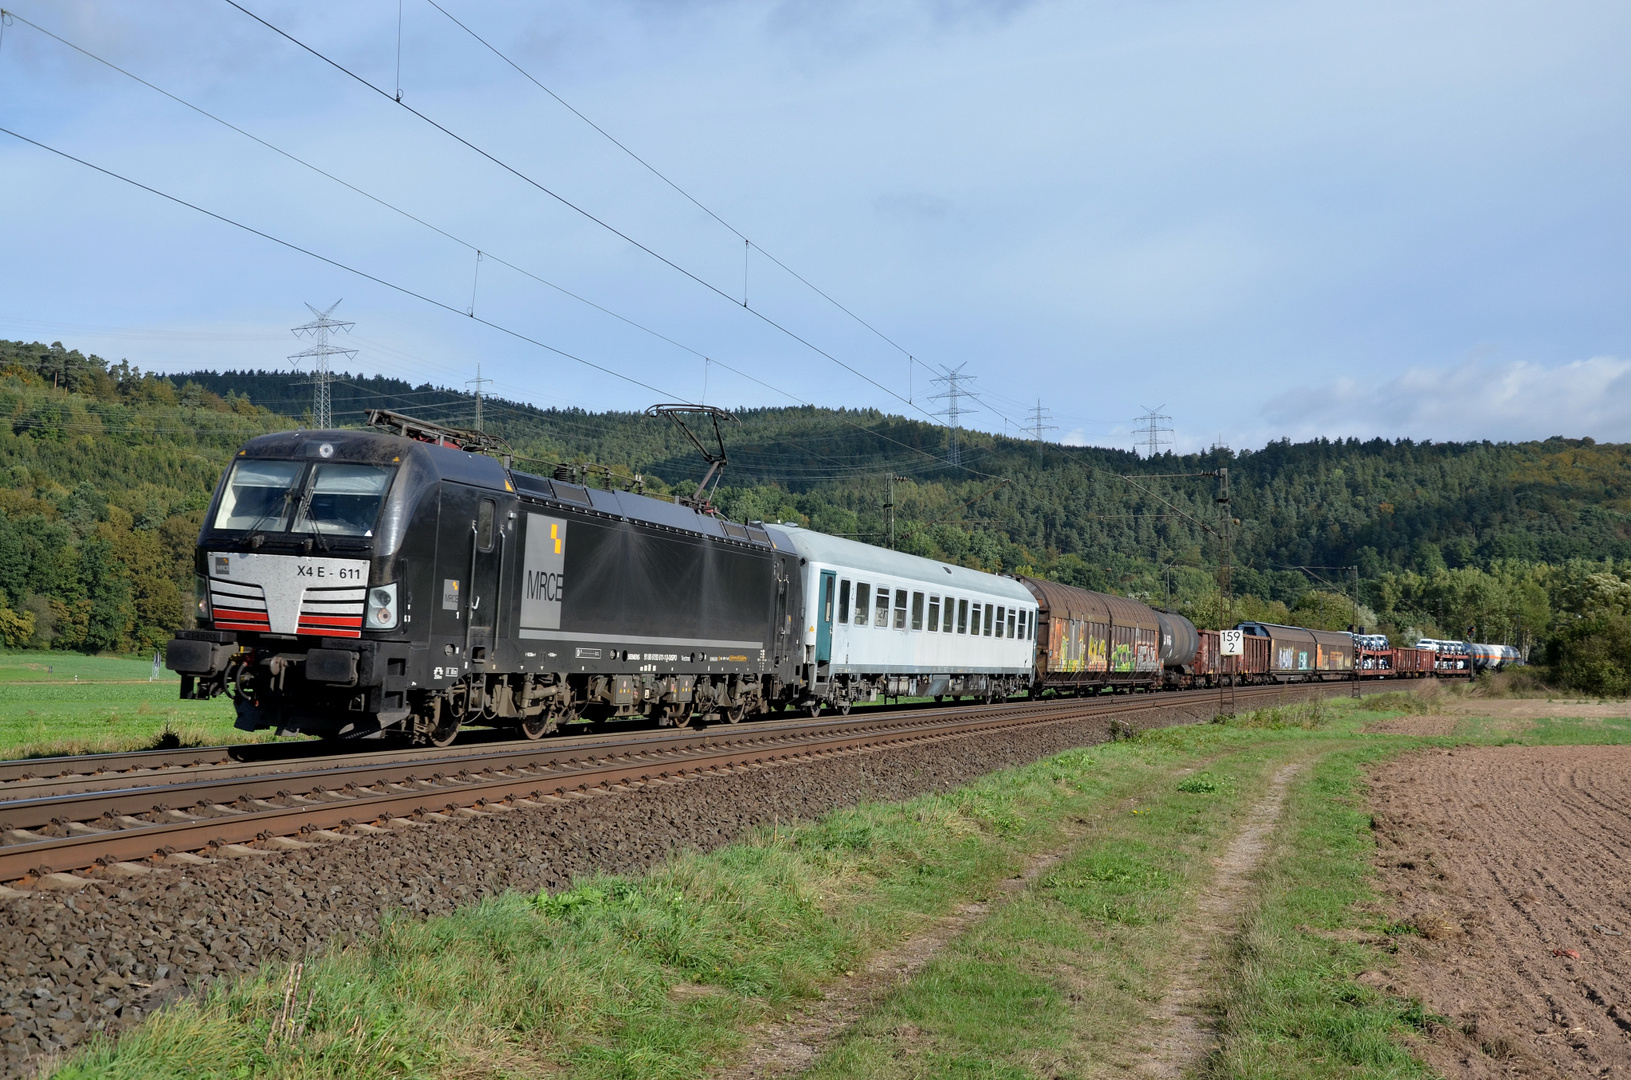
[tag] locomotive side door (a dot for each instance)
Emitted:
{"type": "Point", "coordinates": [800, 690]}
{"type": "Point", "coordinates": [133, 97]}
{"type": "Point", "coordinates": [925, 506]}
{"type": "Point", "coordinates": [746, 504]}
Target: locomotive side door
{"type": "Point", "coordinates": [486, 544]}
{"type": "Point", "coordinates": [786, 644]}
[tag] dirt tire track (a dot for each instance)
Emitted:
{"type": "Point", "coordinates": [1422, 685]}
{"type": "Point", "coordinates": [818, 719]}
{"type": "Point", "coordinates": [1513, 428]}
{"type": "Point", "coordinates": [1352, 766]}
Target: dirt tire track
{"type": "Point", "coordinates": [1182, 1029]}
{"type": "Point", "coordinates": [789, 1046]}
{"type": "Point", "coordinates": [1504, 861]}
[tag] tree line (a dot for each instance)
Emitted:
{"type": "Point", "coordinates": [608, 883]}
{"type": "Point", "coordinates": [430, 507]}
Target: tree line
{"type": "Point", "coordinates": [1520, 543]}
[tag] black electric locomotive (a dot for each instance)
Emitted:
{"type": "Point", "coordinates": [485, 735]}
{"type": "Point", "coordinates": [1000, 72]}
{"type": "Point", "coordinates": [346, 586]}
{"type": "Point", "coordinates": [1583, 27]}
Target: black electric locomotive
{"type": "Point", "coordinates": [356, 583]}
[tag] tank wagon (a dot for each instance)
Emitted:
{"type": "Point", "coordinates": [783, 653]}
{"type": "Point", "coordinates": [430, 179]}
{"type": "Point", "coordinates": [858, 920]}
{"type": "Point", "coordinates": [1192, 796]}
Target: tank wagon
{"type": "Point", "coordinates": [1493, 657]}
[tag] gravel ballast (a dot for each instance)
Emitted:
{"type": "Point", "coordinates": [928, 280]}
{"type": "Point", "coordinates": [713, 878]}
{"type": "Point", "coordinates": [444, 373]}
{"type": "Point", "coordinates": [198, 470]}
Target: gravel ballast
{"type": "Point", "coordinates": [96, 960]}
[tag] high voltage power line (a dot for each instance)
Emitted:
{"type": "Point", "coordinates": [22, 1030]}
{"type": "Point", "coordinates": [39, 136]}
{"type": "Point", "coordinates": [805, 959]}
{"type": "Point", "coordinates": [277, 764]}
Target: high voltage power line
{"type": "Point", "coordinates": [574, 207]}
{"type": "Point", "coordinates": [469, 312]}
{"type": "Point", "coordinates": [659, 174]}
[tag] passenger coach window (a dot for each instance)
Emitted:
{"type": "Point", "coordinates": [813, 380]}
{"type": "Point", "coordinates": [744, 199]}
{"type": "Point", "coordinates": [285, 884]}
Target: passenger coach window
{"type": "Point", "coordinates": [880, 615]}
{"type": "Point", "coordinates": [962, 616]}
{"type": "Point", "coordinates": [843, 601]}
{"type": "Point", "coordinates": [826, 605]}
{"type": "Point", "coordinates": [484, 525]}
{"type": "Point", "coordinates": [974, 622]}
{"type": "Point", "coordinates": [900, 609]}
{"type": "Point", "coordinates": [1012, 619]}
{"type": "Point", "coordinates": [934, 614]}
{"type": "Point", "coordinates": [1002, 620]}
{"type": "Point", "coordinates": [988, 620]}
{"type": "Point", "coordinates": [917, 611]}
{"type": "Point", "coordinates": [863, 594]}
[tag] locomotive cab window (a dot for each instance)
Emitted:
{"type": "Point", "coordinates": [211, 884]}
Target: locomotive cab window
{"type": "Point", "coordinates": [334, 499]}
{"type": "Point", "coordinates": [257, 495]}
{"type": "Point", "coordinates": [962, 616]}
{"type": "Point", "coordinates": [843, 601]}
{"type": "Point", "coordinates": [484, 525]}
{"type": "Point", "coordinates": [934, 614]}
{"type": "Point", "coordinates": [880, 616]}
{"type": "Point", "coordinates": [863, 596]}
{"type": "Point", "coordinates": [917, 611]}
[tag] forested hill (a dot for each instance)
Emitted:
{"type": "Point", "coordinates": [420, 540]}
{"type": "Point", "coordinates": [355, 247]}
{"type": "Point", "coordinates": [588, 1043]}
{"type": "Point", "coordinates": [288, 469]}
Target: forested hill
{"type": "Point", "coordinates": [1380, 504]}
{"type": "Point", "coordinates": [110, 469]}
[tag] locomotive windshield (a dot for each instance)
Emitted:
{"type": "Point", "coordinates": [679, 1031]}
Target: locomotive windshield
{"type": "Point", "coordinates": [330, 498]}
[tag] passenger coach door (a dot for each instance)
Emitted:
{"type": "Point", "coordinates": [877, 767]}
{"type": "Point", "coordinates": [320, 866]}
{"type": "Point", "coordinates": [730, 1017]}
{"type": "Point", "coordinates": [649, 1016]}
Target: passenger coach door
{"type": "Point", "coordinates": [824, 605]}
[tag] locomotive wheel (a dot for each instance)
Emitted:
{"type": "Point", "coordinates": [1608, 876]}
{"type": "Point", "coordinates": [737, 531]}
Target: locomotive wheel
{"type": "Point", "coordinates": [843, 707]}
{"type": "Point", "coordinates": [539, 726]}
{"type": "Point", "coordinates": [813, 709]}
{"type": "Point", "coordinates": [444, 734]}
{"type": "Point", "coordinates": [733, 714]}
{"type": "Point", "coordinates": [681, 716]}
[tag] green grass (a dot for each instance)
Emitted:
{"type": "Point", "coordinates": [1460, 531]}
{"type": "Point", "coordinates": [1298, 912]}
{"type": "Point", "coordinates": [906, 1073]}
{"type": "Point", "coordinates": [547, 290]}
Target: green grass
{"type": "Point", "coordinates": [660, 976]}
{"type": "Point", "coordinates": [66, 703]}
{"type": "Point", "coordinates": [1293, 1007]}
{"type": "Point", "coordinates": [667, 974]}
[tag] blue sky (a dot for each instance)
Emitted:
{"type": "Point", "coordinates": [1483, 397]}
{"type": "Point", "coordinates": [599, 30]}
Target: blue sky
{"type": "Point", "coordinates": [1273, 219]}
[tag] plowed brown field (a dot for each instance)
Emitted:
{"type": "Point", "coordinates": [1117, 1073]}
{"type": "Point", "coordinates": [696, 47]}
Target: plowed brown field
{"type": "Point", "coordinates": [1513, 866]}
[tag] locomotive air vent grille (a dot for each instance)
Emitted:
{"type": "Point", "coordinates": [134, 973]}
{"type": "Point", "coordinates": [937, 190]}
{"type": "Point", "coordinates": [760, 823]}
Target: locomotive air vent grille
{"type": "Point", "coordinates": [238, 606]}
{"type": "Point", "coordinates": [332, 612]}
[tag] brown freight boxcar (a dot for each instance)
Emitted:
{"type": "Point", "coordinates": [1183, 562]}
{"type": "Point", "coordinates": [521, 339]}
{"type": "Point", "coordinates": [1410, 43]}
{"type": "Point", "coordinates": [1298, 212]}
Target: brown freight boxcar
{"type": "Point", "coordinates": [1300, 655]}
{"type": "Point", "coordinates": [1090, 640]}
{"type": "Point", "coordinates": [1413, 663]}
{"type": "Point", "coordinates": [1211, 669]}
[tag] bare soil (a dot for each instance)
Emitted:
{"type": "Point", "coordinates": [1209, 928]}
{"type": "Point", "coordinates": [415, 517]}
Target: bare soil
{"type": "Point", "coordinates": [1413, 725]}
{"type": "Point", "coordinates": [1532, 708]}
{"type": "Point", "coordinates": [1507, 868]}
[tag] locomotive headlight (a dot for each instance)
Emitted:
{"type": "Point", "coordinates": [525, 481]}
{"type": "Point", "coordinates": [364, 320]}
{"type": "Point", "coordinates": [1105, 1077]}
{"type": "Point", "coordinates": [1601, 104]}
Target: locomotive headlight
{"type": "Point", "coordinates": [201, 596]}
{"type": "Point", "coordinates": [381, 607]}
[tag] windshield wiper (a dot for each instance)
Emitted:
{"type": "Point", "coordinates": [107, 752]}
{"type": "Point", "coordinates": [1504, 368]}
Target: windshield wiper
{"type": "Point", "coordinates": [304, 511]}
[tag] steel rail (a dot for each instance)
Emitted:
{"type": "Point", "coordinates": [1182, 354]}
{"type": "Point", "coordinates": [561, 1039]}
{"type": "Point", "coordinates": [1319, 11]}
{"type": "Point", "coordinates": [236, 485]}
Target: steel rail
{"type": "Point", "coordinates": [155, 764]}
{"type": "Point", "coordinates": [478, 755]}
{"type": "Point", "coordinates": [386, 792]}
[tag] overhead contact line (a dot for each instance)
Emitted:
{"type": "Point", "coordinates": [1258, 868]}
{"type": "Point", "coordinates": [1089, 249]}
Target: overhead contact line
{"type": "Point", "coordinates": [569, 204]}
{"type": "Point", "coordinates": [468, 245]}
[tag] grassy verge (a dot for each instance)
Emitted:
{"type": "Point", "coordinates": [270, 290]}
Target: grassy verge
{"type": "Point", "coordinates": [64, 703]}
{"type": "Point", "coordinates": [1292, 1006]}
{"type": "Point", "coordinates": [660, 976]}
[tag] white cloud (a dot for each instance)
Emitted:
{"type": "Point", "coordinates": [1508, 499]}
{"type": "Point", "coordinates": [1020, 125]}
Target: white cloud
{"type": "Point", "coordinates": [1477, 399]}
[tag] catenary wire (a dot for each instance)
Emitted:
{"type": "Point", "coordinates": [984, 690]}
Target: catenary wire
{"type": "Point", "coordinates": [403, 289]}
{"type": "Point", "coordinates": [692, 199]}
{"type": "Point", "coordinates": [442, 232]}
{"type": "Point", "coordinates": [450, 133]}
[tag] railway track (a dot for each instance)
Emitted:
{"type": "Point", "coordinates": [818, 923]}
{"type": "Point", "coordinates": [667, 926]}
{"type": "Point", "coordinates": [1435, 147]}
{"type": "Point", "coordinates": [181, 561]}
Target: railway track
{"type": "Point", "coordinates": [125, 814]}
